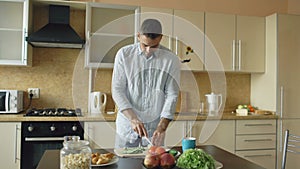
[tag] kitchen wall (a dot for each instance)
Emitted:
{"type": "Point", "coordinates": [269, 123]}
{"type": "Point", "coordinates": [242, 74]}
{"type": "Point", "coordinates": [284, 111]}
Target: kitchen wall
{"type": "Point", "coordinates": [53, 70]}
{"type": "Point", "coordinates": [63, 81]}
{"type": "Point", "coordinates": [237, 88]}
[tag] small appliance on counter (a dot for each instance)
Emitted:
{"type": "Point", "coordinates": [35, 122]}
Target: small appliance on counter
{"type": "Point", "coordinates": [11, 101]}
{"type": "Point", "coordinates": [214, 102]}
{"type": "Point", "coordinates": [97, 102]}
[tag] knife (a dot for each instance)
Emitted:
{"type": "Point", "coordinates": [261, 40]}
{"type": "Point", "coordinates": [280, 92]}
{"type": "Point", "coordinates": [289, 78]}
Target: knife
{"type": "Point", "coordinates": [147, 139]}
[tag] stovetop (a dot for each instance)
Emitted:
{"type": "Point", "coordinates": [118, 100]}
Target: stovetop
{"type": "Point", "coordinates": [53, 112]}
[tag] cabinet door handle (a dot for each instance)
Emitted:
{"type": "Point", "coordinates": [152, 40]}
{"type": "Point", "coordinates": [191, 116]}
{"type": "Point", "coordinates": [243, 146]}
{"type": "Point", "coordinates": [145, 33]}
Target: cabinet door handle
{"type": "Point", "coordinates": [256, 140]}
{"type": "Point", "coordinates": [89, 133]}
{"type": "Point", "coordinates": [258, 155]}
{"type": "Point", "coordinates": [281, 101]}
{"type": "Point", "coordinates": [262, 124]}
{"type": "Point", "coordinates": [88, 34]}
{"type": "Point", "coordinates": [281, 114]}
{"type": "Point", "coordinates": [24, 50]}
{"type": "Point", "coordinates": [233, 54]}
{"type": "Point", "coordinates": [170, 43]}
{"type": "Point", "coordinates": [176, 45]}
{"type": "Point", "coordinates": [16, 143]}
{"type": "Point", "coordinates": [240, 54]}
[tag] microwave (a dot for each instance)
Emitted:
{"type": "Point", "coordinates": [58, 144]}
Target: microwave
{"type": "Point", "coordinates": [11, 101]}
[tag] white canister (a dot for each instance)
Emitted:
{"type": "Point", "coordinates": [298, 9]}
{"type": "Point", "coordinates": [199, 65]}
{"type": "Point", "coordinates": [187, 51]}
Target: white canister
{"type": "Point", "coordinates": [97, 102]}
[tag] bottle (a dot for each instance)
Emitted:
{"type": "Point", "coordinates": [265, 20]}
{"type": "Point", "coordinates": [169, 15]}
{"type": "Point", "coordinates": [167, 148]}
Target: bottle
{"type": "Point", "coordinates": [75, 154]}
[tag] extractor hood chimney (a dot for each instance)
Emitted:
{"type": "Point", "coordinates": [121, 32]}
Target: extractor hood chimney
{"type": "Point", "coordinates": [57, 33]}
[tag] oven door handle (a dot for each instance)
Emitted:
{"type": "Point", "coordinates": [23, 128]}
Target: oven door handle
{"type": "Point", "coordinates": [44, 138]}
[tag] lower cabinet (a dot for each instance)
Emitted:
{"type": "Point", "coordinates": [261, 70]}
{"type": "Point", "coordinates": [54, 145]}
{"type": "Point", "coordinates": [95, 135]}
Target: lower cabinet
{"type": "Point", "coordinates": [265, 158]}
{"type": "Point", "coordinates": [215, 132]}
{"type": "Point", "coordinates": [256, 141]}
{"type": "Point", "coordinates": [100, 134]}
{"type": "Point", "coordinates": [10, 146]}
{"type": "Point", "coordinates": [222, 135]}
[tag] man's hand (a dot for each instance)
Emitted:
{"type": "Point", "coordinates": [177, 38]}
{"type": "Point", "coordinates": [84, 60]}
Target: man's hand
{"type": "Point", "coordinates": [160, 132]}
{"type": "Point", "coordinates": [136, 124]}
{"type": "Point", "coordinates": [138, 127]}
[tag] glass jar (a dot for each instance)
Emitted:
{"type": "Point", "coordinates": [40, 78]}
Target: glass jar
{"type": "Point", "coordinates": [76, 153]}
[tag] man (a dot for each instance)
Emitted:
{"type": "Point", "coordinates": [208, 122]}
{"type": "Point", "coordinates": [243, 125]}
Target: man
{"type": "Point", "coordinates": [145, 87]}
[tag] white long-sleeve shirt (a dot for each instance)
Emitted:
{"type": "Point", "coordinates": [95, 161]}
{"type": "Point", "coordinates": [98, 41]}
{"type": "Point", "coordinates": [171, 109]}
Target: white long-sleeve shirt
{"type": "Point", "coordinates": [148, 85]}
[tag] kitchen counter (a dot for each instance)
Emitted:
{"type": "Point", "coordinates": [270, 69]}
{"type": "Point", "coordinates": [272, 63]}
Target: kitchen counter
{"type": "Point", "coordinates": [51, 160]}
{"type": "Point", "coordinates": [112, 117]}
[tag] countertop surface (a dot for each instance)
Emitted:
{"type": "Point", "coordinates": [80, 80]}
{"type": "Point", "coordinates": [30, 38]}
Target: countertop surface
{"type": "Point", "coordinates": [183, 116]}
{"type": "Point", "coordinates": [51, 160]}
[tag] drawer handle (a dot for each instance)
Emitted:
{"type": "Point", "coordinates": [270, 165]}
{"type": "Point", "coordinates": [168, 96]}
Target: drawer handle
{"type": "Point", "coordinates": [254, 140]}
{"type": "Point", "coordinates": [259, 155]}
{"type": "Point", "coordinates": [259, 124]}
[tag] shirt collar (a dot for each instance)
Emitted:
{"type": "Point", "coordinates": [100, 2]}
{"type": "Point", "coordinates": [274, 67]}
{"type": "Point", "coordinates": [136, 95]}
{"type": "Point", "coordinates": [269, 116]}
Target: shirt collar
{"type": "Point", "coordinates": [140, 52]}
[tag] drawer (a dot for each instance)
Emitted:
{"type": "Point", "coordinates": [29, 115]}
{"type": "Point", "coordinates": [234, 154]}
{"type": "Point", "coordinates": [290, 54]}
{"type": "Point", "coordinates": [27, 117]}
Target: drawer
{"type": "Point", "coordinates": [264, 158]}
{"type": "Point", "coordinates": [248, 142]}
{"type": "Point", "coordinates": [255, 126]}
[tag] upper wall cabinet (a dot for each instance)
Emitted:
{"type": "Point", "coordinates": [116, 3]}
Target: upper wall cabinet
{"type": "Point", "coordinates": [238, 42]}
{"type": "Point", "coordinates": [182, 33]}
{"type": "Point", "coordinates": [108, 28]}
{"type": "Point", "coordinates": [189, 39]}
{"type": "Point", "coordinates": [13, 30]}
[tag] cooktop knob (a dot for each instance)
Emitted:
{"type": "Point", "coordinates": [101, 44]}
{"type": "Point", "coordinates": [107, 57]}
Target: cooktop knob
{"type": "Point", "coordinates": [52, 128]}
{"type": "Point", "coordinates": [74, 128]}
{"type": "Point", "coordinates": [30, 128]}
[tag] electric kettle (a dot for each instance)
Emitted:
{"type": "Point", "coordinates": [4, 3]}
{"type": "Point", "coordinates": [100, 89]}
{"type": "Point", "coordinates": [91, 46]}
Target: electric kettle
{"type": "Point", "coordinates": [97, 102]}
{"type": "Point", "coordinates": [214, 102]}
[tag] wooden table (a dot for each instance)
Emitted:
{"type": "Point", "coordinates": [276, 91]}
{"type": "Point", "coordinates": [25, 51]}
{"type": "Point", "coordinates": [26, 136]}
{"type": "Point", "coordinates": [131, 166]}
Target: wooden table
{"type": "Point", "coordinates": [50, 160]}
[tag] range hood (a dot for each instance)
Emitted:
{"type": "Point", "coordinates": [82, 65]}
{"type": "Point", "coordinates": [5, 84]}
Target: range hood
{"type": "Point", "coordinates": [57, 33]}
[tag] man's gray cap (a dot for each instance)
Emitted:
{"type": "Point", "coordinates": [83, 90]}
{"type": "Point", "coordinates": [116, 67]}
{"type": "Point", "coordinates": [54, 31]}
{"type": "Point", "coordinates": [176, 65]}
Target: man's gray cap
{"type": "Point", "coordinates": [151, 26]}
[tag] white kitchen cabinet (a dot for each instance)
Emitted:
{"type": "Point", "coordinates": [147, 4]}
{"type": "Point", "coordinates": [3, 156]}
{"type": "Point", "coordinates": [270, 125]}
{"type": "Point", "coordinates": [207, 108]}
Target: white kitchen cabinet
{"type": "Point", "coordinates": [215, 132]}
{"type": "Point", "coordinates": [181, 29]}
{"type": "Point", "coordinates": [264, 158]}
{"type": "Point", "coordinates": [10, 145]}
{"type": "Point", "coordinates": [13, 30]}
{"type": "Point", "coordinates": [238, 42]}
{"type": "Point", "coordinates": [100, 134]}
{"type": "Point", "coordinates": [280, 83]}
{"type": "Point", "coordinates": [189, 32]}
{"type": "Point", "coordinates": [255, 140]}
{"type": "Point", "coordinates": [108, 28]}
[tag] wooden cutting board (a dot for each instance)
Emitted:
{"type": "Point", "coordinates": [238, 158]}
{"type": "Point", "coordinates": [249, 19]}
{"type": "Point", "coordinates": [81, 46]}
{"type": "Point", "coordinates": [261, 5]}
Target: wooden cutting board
{"type": "Point", "coordinates": [119, 152]}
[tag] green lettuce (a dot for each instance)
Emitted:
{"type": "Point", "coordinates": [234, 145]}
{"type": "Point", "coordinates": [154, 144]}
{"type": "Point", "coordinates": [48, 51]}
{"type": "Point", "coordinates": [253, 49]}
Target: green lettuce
{"type": "Point", "coordinates": [195, 159]}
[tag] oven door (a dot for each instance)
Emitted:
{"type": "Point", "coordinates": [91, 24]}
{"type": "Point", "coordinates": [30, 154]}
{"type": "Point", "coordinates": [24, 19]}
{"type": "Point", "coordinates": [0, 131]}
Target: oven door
{"type": "Point", "coordinates": [37, 137]}
{"type": "Point", "coordinates": [34, 148]}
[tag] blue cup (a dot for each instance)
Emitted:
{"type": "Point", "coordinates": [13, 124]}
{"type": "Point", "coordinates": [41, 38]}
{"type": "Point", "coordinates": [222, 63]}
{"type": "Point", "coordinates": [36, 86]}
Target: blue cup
{"type": "Point", "coordinates": [188, 143]}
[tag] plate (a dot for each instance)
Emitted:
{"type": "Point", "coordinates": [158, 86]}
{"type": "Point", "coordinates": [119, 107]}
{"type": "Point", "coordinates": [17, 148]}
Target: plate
{"type": "Point", "coordinates": [114, 160]}
{"type": "Point", "coordinates": [218, 165]}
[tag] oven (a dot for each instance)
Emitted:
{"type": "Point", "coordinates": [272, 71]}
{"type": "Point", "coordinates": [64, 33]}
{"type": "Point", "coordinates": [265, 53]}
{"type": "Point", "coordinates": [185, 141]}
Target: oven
{"type": "Point", "coordinates": [38, 136]}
